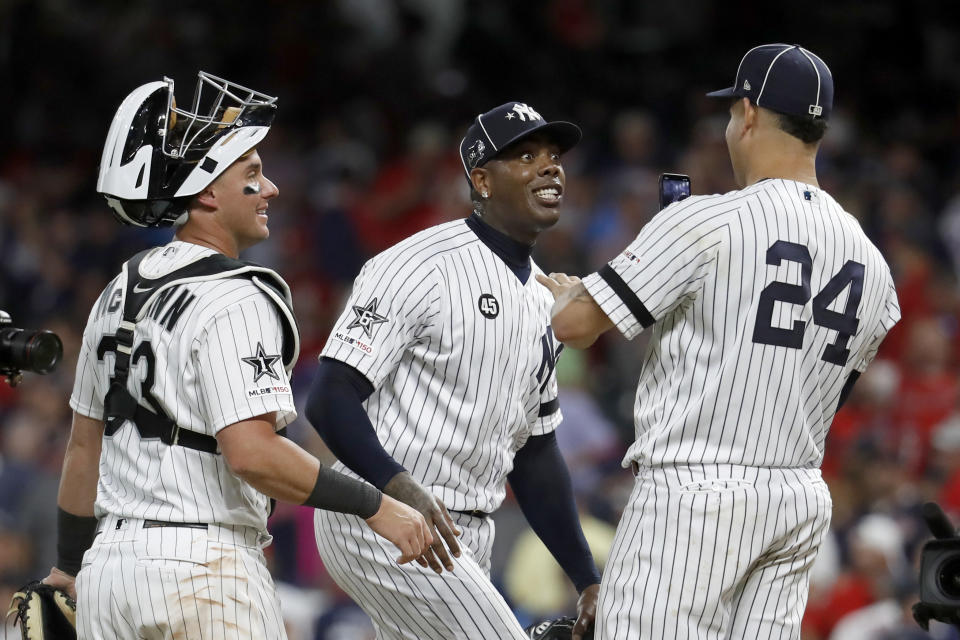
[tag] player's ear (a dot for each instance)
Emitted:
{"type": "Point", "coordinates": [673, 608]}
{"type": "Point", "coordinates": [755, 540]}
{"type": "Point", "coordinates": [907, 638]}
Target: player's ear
{"type": "Point", "coordinates": [480, 178]}
{"type": "Point", "coordinates": [751, 114]}
{"type": "Point", "coordinates": [206, 198]}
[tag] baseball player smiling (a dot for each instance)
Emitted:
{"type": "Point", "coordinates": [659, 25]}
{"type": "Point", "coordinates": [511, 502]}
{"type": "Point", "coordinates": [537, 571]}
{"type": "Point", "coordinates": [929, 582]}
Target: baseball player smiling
{"type": "Point", "coordinates": [438, 386]}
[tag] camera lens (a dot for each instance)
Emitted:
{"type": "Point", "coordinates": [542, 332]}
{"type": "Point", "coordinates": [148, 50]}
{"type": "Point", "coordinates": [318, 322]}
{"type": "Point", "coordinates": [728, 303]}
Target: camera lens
{"type": "Point", "coordinates": [44, 351]}
{"type": "Point", "coordinates": [948, 577]}
{"type": "Point", "coordinates": [36, 351]}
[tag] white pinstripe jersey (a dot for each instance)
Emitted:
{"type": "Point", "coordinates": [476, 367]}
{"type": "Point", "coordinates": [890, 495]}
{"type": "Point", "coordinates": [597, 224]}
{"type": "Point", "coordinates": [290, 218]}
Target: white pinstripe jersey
{"type": "Point", "coordinates": [461, 357]}
{"type": "Point", "coordinates": [763, 302]}
{"type": "Point", "coordinates": [212, 358]}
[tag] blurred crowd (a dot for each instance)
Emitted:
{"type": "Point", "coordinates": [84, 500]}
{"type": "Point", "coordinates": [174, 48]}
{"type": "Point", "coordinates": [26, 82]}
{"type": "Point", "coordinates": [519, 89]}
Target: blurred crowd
{"type": "Point", "coordinates": [374, 96]}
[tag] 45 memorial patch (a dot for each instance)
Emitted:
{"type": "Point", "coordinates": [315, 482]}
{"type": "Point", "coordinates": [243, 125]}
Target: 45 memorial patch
{"type": "Point", "coordinates": [488, 306]}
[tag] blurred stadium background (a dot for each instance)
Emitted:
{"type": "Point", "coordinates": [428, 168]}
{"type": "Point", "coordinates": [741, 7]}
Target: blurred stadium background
{"type": "Point", "coordinates": [374, 96]}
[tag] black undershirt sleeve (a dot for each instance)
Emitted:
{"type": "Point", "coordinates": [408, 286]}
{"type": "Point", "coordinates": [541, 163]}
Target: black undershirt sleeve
{"type": "Point", "coordinates": [541, 483]}
{"type": "Point", "coordinates": [847, 388]}
{"type": "Point", "coordinates": [335, 409]}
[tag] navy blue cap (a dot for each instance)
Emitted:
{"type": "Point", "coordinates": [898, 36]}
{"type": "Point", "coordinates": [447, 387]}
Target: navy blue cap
{"type": "Point", "coordinates": [783, 78]}
{"type": "Point", "coordinates": [495, 130]}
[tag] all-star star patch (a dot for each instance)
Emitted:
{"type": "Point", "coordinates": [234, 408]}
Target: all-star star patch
{"type": "Point", "coordinates": [262, 364]}
{"type": "Point", "coordinates": [367, 318]}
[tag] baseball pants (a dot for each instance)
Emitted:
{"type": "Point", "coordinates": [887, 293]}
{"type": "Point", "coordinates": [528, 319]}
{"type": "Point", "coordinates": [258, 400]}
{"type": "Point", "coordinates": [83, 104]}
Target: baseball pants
{"type": "Point", "coordinates": [410, 602]}
{"type": "Point", "coordinates": [714, 552]}
{"type": "Point", "coordinates": [160, 583]}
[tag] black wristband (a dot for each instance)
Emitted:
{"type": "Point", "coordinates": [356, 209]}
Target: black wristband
{"type": "Point", "coordinates": [74, 536]}
{"type": "Point", "coordinates": [336, 492]}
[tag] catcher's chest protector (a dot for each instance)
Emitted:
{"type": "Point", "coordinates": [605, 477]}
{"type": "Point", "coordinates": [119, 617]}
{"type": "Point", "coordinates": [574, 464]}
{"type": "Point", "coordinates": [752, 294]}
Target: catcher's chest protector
{"type": "Point", "coordinates": [140, 292]}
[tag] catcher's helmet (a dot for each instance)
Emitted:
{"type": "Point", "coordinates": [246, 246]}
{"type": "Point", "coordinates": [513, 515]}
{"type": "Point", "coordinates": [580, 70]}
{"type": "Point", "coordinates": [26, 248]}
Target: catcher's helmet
{"type": "Point", "coordinates": [157, 155]}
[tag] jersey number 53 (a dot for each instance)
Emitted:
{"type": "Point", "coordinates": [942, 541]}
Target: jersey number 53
{"type": "Point", "coordinates": [845, 323]}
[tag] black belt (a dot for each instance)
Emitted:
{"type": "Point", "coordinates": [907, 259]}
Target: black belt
{"type": "Point", "coordinates": [476, 513]}
{"type": "Point", "coordinates": [153, 524]}
{"type": "Point", "coordinates": [635, 467]}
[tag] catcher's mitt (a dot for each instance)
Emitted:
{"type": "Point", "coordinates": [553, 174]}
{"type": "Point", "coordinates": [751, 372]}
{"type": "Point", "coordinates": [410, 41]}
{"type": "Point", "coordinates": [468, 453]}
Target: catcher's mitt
{"type": "Point", "coordinates": [44, 613]}
{"type": "Point", "coordinates": [559, 629]}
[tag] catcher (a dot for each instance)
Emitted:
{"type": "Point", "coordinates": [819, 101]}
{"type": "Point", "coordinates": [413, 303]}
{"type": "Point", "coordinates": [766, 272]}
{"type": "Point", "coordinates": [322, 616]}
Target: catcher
{"type": "Point", "coordinates": [182, 385]}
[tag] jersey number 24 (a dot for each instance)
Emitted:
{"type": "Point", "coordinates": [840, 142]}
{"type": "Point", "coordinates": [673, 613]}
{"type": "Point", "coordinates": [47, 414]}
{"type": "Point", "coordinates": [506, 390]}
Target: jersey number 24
{"type": "Point", "coordinates": [845, 323]}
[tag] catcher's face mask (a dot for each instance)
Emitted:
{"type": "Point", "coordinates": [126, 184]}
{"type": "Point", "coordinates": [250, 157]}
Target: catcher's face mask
{"type": "Point", "coordinates": [158, 154]}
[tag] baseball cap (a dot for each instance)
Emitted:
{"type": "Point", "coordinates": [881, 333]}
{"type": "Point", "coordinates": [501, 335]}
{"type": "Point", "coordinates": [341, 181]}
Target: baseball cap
{"type": "Point", "coordinates": [493, 131]}
{"type": "Point", "coordinates": [784, 78]}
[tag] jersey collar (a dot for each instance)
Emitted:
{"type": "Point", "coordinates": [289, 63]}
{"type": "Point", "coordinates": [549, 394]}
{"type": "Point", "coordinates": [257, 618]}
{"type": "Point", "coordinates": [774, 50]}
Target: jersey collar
{"type": "Point", "coordinates": [515, 254]}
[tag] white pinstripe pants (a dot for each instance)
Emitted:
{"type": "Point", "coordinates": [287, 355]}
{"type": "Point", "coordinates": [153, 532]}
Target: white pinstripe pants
{"type": "Point", "coordinates": [175, 582]}
{"type": "Point", "coordinates": [408, 602]}
{"type": "Point", "coordinates": [714, 552]}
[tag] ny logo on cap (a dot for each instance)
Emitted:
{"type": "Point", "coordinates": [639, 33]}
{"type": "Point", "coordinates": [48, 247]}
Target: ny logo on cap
{"type": "Point", "coordinates": [746, 85]}
{"type": "Point", "coordinates": [525, 112]}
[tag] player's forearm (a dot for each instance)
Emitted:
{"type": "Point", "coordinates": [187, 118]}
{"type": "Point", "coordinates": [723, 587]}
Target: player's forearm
{"type": "Point", "coordinates": [81, 467]}
{"type": "Point", "coordinates": [335, 409]}
{"type": "Point", "coordinates": [577, 320]}
{"type": "Point", "coordinates": [580, 342]}
{"type": "Point", "coordinates": [541, 483]}
{"type": "Point", "coordinates": [76, 525]}
{"type": "Point", "coordinates": [279, 468]}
